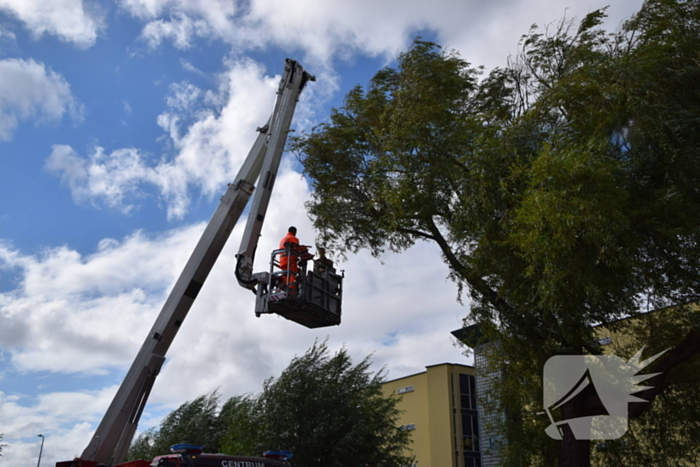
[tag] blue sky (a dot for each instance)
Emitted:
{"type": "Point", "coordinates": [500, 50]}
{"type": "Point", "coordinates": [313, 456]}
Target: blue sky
{"type": "Point", "coordinates": [120, 125]}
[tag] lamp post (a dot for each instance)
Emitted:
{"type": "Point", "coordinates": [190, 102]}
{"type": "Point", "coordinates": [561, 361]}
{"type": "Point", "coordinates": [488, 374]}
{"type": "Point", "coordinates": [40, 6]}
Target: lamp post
{"type": "Point", "coordinates": [40, 449]}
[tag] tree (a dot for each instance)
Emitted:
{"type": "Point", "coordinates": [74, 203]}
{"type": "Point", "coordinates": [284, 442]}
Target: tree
{"type": "Point", "coordinates": [325, 410]}
{"type": "Point", "coordinates": [562, 191]}
{"type": "Point", "coordinates": [244, 423]}
{"type": "Point", "coordinates": [1, 445]}
{"type": "Point", "coordinates": [195, 422]}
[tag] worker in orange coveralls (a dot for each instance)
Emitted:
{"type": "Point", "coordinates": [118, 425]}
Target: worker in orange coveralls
{"type": "Point", "coordinates": [291, 240]}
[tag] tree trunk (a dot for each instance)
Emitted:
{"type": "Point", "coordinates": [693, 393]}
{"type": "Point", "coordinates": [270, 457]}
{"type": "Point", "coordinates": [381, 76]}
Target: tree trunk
{"type": "Point", "coordinates": [574, 452]}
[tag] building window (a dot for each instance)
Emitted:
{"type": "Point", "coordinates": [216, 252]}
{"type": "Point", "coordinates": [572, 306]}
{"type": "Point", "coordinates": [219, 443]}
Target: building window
{"type": "Point", "coordinates": [470, 421]}
{"type": "Point", "coordinates": [410, 427]}
{"type": "Point", "coordinates": [405, 390]}
{"type": "Point", "coordinates": [467, 391]}
{"type": "Point", "coordinates": [471, 443]}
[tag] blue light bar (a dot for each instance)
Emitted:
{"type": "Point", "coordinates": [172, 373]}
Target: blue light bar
{"type": "Point", "coordinates": [186, 449]}
{"type": "Point", "coordinates": [281, 455]}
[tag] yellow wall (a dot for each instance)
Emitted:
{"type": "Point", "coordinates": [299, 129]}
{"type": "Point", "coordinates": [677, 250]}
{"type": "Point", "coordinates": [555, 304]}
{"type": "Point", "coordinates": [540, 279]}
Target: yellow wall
{"type": "Point", "coordinates": [430, 407]}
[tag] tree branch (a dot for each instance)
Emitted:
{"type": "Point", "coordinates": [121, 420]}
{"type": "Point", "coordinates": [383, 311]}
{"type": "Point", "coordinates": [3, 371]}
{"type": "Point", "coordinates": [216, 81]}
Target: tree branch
{"type": "Point", "coordinates": [417, 233]}
{"type": "Point", "coordinates": [474, 281]}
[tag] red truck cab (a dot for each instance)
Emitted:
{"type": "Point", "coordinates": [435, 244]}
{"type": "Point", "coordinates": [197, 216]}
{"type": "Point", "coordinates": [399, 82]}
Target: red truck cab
{"type": "Point", "coordinates": [187, 455]}
{"type": "Point", "coordinates": [215, 460]}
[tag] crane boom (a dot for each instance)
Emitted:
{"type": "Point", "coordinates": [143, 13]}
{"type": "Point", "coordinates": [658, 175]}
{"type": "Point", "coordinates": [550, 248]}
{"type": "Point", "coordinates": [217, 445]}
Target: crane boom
{"type": "Point", "coordinates": [111, 441]}
{"type": "Point", "coordinates": [284, 109]}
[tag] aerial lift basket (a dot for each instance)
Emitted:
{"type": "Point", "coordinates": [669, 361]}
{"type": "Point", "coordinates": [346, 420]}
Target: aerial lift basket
{"type": "Point", "coordinates": [311, 297]}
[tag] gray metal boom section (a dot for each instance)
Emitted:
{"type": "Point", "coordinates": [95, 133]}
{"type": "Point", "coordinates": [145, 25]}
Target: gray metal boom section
{"type": "Point", "coordinates": [114, 435]}
{"type": "Point", "coordinates": [284, 110]}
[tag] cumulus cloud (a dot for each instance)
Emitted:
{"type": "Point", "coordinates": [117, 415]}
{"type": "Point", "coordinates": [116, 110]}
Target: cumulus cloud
{"type": "Point", "coordinates": [81, 313]}
{"type": "Point", "coordinates": [221, 345]}
{"type": "Point", "coordinates": [73, 313]}
{"type": "Point", "coordinates": [216, 11]}
{"type": "Point", "coordinates": [23, 420]}
{"type": "Point", "coordinates": [182, 20]}
{"type": "Point", "coordinates": [109, 178]}
{"type": "Point", "coordinates": [30, 91]}
{"type": "Point", "coordinates": [88, 314]}
{"type": "Point", "coordinates": [210, 133]}
{"type": "Point", "coordinates": [181, 29]}
{"type": "Point", "coordinates": [70, 20]}
{"type": "Point", "coordinates": [485, 32]}
{"type": "Point", "coordinates": [20, 420]}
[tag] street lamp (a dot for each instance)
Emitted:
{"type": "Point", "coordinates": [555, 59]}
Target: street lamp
{"type": "Point", "coordinates": [40, 449]}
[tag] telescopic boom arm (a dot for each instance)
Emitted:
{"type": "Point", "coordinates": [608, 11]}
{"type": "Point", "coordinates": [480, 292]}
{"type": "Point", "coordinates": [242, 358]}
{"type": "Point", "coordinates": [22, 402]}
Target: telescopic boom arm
{"type": "Point", "coordinates": [284, 109]}
{"type": "Point", "coordinates": [113, 437]}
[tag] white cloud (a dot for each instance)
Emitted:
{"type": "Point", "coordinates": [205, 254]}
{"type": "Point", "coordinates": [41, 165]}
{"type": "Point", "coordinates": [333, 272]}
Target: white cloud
{"type": "Point", "coordinates": [69, 20]}
{"type": "Point", "coordinates": [75, 314]}
{"type": "Point", "coordinates": [88, 313]}
{"type": "Point", "coordinates": [181, 29]}
{"type": "Point", "coordinates": [111, 178]}
{"type": "Point", "coordinates": [210, 133]}
{"type": "Point", "coordinates": [22, 421]}
{"type": "Point", "coordinates": [485, 32]}
{"type": "Point", "coordinates": [183, 97]}
{"type": "Point", "coordinates": [182, 20]}
{"type": "Point", "coordinates": [216, 11]}
{"type": "Point", "coordinates": [30, 91]}
{"type": "Point", "coordinates": [191, 68]}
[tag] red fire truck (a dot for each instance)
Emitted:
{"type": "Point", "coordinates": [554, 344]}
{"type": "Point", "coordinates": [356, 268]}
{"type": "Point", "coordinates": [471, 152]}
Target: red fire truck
{"type": "Point", "coordinates": [188, 455]}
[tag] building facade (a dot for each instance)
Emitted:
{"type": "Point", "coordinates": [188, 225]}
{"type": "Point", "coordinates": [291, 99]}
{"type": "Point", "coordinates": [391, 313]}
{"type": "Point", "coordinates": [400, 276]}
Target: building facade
{"type": "Point", "coordinates": [659, 329]}
{"type": "Point", "coordinates": [440, 410]}
{"type": "Point", "coordinates": [488, 381]}
{"type": "Point", "coordinates": [490, 413]}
